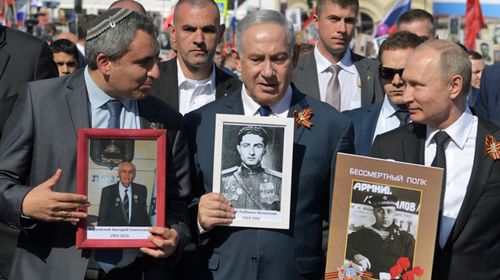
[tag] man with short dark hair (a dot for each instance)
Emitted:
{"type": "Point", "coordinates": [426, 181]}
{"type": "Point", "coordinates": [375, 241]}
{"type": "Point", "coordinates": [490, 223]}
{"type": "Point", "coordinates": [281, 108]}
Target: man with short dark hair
{"type": "Point", "coordinates": [191, 79]}
{"type": "Point", "coordinates": [444, 133]}
{"type": "Point", "coordinates": [38, 153]}
{"type": "Point", "coordinates": [267, 54]}
{"type": "Point", "coordinates": [391, 113]}
{"type": "Point", "coordinates": [332, 72]}
{"type": "Point", "coordinates": [419, 22]}
{"type": "Point", "coordinates": [66, 56]}
{"type": "Point", "coordinates": [477, 63]}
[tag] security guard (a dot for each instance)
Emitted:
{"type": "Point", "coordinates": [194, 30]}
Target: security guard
{"type": "Point", "coordinates": [250, 186]}
{"type": "Point", "coordinates": [377, 248]}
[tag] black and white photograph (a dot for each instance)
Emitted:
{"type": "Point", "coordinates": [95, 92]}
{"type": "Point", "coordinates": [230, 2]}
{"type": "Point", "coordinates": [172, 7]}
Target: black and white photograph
{"type": "Point", "coordinates": [383, 223]}
{"type": "Point", "coordinates": [252, 168]}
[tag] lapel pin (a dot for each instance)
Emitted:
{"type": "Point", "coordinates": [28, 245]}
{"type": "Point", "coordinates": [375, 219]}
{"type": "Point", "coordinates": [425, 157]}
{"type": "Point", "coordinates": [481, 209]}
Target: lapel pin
{"type": "Point", "coordinates": [303, 117]}
{"type": "Point", "coordinates": [492, 147]}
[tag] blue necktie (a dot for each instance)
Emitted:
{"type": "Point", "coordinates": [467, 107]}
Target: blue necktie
{"type": "Point", "coordinates": [114, 108]}
{"type": "Point", "coordinates": [265, 111]}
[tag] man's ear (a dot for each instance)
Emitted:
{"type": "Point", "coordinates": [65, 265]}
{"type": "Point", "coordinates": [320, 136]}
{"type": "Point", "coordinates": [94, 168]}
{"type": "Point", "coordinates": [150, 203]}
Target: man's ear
{"type": "Point", "coordinates": [455, 86]}
{"type": "Point", "coordinates": [103, 64]}
{"type": "Point", "coordinates": [296, 55]}
{"type": "Point", "coordinates": [237, 58]}
{"type": "Point", "coordinates": [173, 41]}
{"type": "Point", "coordinates": [222, 29]}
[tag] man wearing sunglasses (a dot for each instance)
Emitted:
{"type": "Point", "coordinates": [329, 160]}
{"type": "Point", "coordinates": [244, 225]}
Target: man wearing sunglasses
{"type": "Point", "coordinates": [390, 113]}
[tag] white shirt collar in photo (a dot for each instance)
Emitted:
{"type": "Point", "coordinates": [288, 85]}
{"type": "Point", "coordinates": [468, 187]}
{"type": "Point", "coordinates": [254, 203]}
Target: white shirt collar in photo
{"type": "Point", "coordinates": [194, 93]}
{"type": "Point", "coordinates": [129, 116]}
{"type": "Point", "coordinates": [350, 83]}
{"type": "Point", "coordinates": [278, 109]}
{"type": "Point", "coordinates": [460, 153]}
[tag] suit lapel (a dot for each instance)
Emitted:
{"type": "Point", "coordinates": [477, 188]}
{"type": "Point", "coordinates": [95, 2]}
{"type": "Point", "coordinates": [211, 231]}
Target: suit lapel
{"type": "Point", "coordinates": [369, 125]}
{"type": "Point", "coordinates": [171, 87]}
{"type": "Point", "coordinates": [309, 76]}
{"type": "Point", "coordinates": [367, 79]}
{"type": "Point", "coordinates": [4, 57]}
{"type": "Point", "coordinates": [414, 144]}
{"type": "Point", "coordinates": [76, 98]}
{"type": "Point", "coordinates": [480, 172]}
{"type": "Point", "coordinates": [297, 104]}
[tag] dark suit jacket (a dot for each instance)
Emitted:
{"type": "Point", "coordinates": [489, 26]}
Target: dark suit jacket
{"type": "Point", "coordinates": [111, 207]}
{"type": "Point", "coordinates": [41, 136]}
{"type": "Point", "coordinates": [167, 90]}
{"type": "Point", "coordinates": [305, 77]}
{"type": "Point", "coordinates": [473, 247]}
{"type": "Point", "coordinates": [364, 120]}
{"type": "Point", "coordinates": [488, 100]}
{"type": "Point", "coordinates": [247, 253]}
{"type": "Point", "coordinates": [23, 58]}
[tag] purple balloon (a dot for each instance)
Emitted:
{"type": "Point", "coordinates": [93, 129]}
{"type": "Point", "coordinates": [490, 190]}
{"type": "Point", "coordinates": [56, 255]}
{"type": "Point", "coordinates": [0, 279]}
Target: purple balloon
{"type": "Point", "coordinates": [382, 29]}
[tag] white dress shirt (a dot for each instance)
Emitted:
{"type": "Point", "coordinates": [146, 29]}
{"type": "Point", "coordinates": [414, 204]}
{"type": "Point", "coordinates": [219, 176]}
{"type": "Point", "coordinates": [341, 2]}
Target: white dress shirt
{"type": "Point", "coordinates": [460, 153]}
{"type": "Point", "coordinates": [121, 189]}
{"type": "Point", "coordinates": [279, 109]}
{"type": "Point", "coordinates": [194, 93]}
{"type": "Point", "coordinates": [387, 119]}
{"type": "Point", "coordinates": [350, 83]}
{"type": "Point", "coordinates": [129, 116]}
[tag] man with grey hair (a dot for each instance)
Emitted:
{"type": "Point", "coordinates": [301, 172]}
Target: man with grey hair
{"type": "Point", "coordinates": [332, 72]}
{"type": "Point", "coordinates": [267, 55]}
{"type": "Point", "coordinates": [191, 79]}
{"type": "Point", "coordinates": [445, 134]}
{"type": "Point", "coordinates": [419, 22]}
{"type": "Point", "coordinates": [38, 153]}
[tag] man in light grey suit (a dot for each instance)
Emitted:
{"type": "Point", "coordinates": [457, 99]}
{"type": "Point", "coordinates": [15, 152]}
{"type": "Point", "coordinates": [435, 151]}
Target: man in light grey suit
{"type": "Point", "coordinates": [38, 151]}
{"type": "Point", "coordinates": [357, 76]}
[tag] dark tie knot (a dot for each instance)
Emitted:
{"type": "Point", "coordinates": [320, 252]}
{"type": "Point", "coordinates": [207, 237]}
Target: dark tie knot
{"type": "Point", "coordinates": [114, 108]}
{"type": "Point", "coordinates": [441, 138]}
{"type": "Point", "coordinates": [403, 116]}
{"type": "Point", "coordinates": [265, 111]}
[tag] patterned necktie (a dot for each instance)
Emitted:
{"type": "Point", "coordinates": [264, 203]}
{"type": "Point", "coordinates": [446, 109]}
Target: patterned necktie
{"type": "Point", "coordinates": [333, 88]}
{"type": "Point", "coordinates": [114, 108]}
{"type": "Point", "coordinates": [264, 111]}
{"type": "Point", "coordinates": [403, 116]}
{"type": "Point", "coordinates": [126, 209]}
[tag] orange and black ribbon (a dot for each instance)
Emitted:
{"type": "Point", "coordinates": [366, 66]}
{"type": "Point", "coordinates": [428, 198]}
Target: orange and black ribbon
{"type": "Point", "coordinates": [492, 147]}
{"type": "Point", "coordinates": [303, 117]}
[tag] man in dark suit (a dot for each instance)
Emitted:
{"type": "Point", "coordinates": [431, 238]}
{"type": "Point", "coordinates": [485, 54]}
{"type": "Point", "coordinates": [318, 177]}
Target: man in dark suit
{"type": "Point", "coordinates": [267, 54]}
{"type": "Point", "coordinates": [391, 113]}
{"type": "Point", "coordinates": [124, 203]}
{"type": "Point", "coordinates": [192, 79]}
{"type": "Point", "coordinates": [488, 100]}
{"type": "Point", "coordinates": [446, 134]}
{"type": "Point", "coordinates": [355, 79]}
{"type": "Point", "coordinates": [23, 58]}
{"type": "Point", "coordinates": [38, 151]}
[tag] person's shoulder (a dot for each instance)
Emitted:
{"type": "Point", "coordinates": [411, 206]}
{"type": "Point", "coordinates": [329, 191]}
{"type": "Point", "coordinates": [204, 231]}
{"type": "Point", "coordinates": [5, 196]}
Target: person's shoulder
{"type": "Point", "coordinates": [273, 173]}
{"type": "Point", "coordinates": [109, 187]}
{"type": "Point", "coordinates": [325, 111]}
{"type": "Point", "coordinates": [21, 38]}
{"type": "Point", "coordinates": [168, 64]}
{"type": "Point", "coordinates": [155, 110]}
{"type": "Point", "coordinates": [229, 171]}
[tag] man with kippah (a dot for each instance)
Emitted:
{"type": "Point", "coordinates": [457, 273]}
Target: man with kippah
{"type": "Point", "coordinates": [39, 151]}
{"type": "Point", "coordinates": [250, 186]}
{"type": "Point", "coordinates": [378, 247]}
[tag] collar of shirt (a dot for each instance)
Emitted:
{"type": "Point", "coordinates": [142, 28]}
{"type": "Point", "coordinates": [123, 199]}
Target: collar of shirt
{"type": "Point", "coordinates": [122, 189]}
{"type": "Point", "coordinates": [322, 63]}
{"type": "Point", "coordinates": [278, 109]}
{"type": "Point", "coordinates": [98, 97]}
{"type": "Point", "coordinates": [459, 131]}
{"type": "Point", "coordinates": [188, 84]}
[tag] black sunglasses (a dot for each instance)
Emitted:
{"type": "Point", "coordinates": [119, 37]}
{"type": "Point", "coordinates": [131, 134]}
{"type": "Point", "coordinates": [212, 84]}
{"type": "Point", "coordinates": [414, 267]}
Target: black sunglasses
{"type": "Point", "coordinates": [388, 74]}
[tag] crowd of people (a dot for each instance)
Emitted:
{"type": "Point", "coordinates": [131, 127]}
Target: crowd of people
{"type": "Point", "coordinates": [423, 100]}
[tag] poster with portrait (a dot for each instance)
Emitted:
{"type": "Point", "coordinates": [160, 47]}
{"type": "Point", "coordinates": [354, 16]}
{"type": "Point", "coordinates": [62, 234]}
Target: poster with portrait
{"type": "Point", "coordinates": [122, 172]}
{"type": "Point", "coordinates": [384, 218]}
{"type": "Point", "coordinates": [253, 168]}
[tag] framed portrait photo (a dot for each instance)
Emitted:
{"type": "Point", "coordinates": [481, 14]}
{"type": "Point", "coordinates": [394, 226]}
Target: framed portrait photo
{"type": "Point", "coordinates": [384, 218]}
{"type": "Point", "coordinates": [122, 173]}
{"type": "Point", "coordinates": [253, 168]}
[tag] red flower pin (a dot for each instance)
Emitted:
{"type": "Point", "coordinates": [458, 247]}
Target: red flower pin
{"type": "Point", "coordinates": [303, 117]}
{"type": "Point", "coordinates": [492, 147]}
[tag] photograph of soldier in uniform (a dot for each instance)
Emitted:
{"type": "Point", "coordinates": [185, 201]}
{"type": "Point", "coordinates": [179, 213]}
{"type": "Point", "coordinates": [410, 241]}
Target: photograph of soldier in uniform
{"type": "Point", "coordinates": [249, 184]}
{"type": "Point", "coordinates": [382, 227]}
{"type": "Point", "coordinates": [124, 202]}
